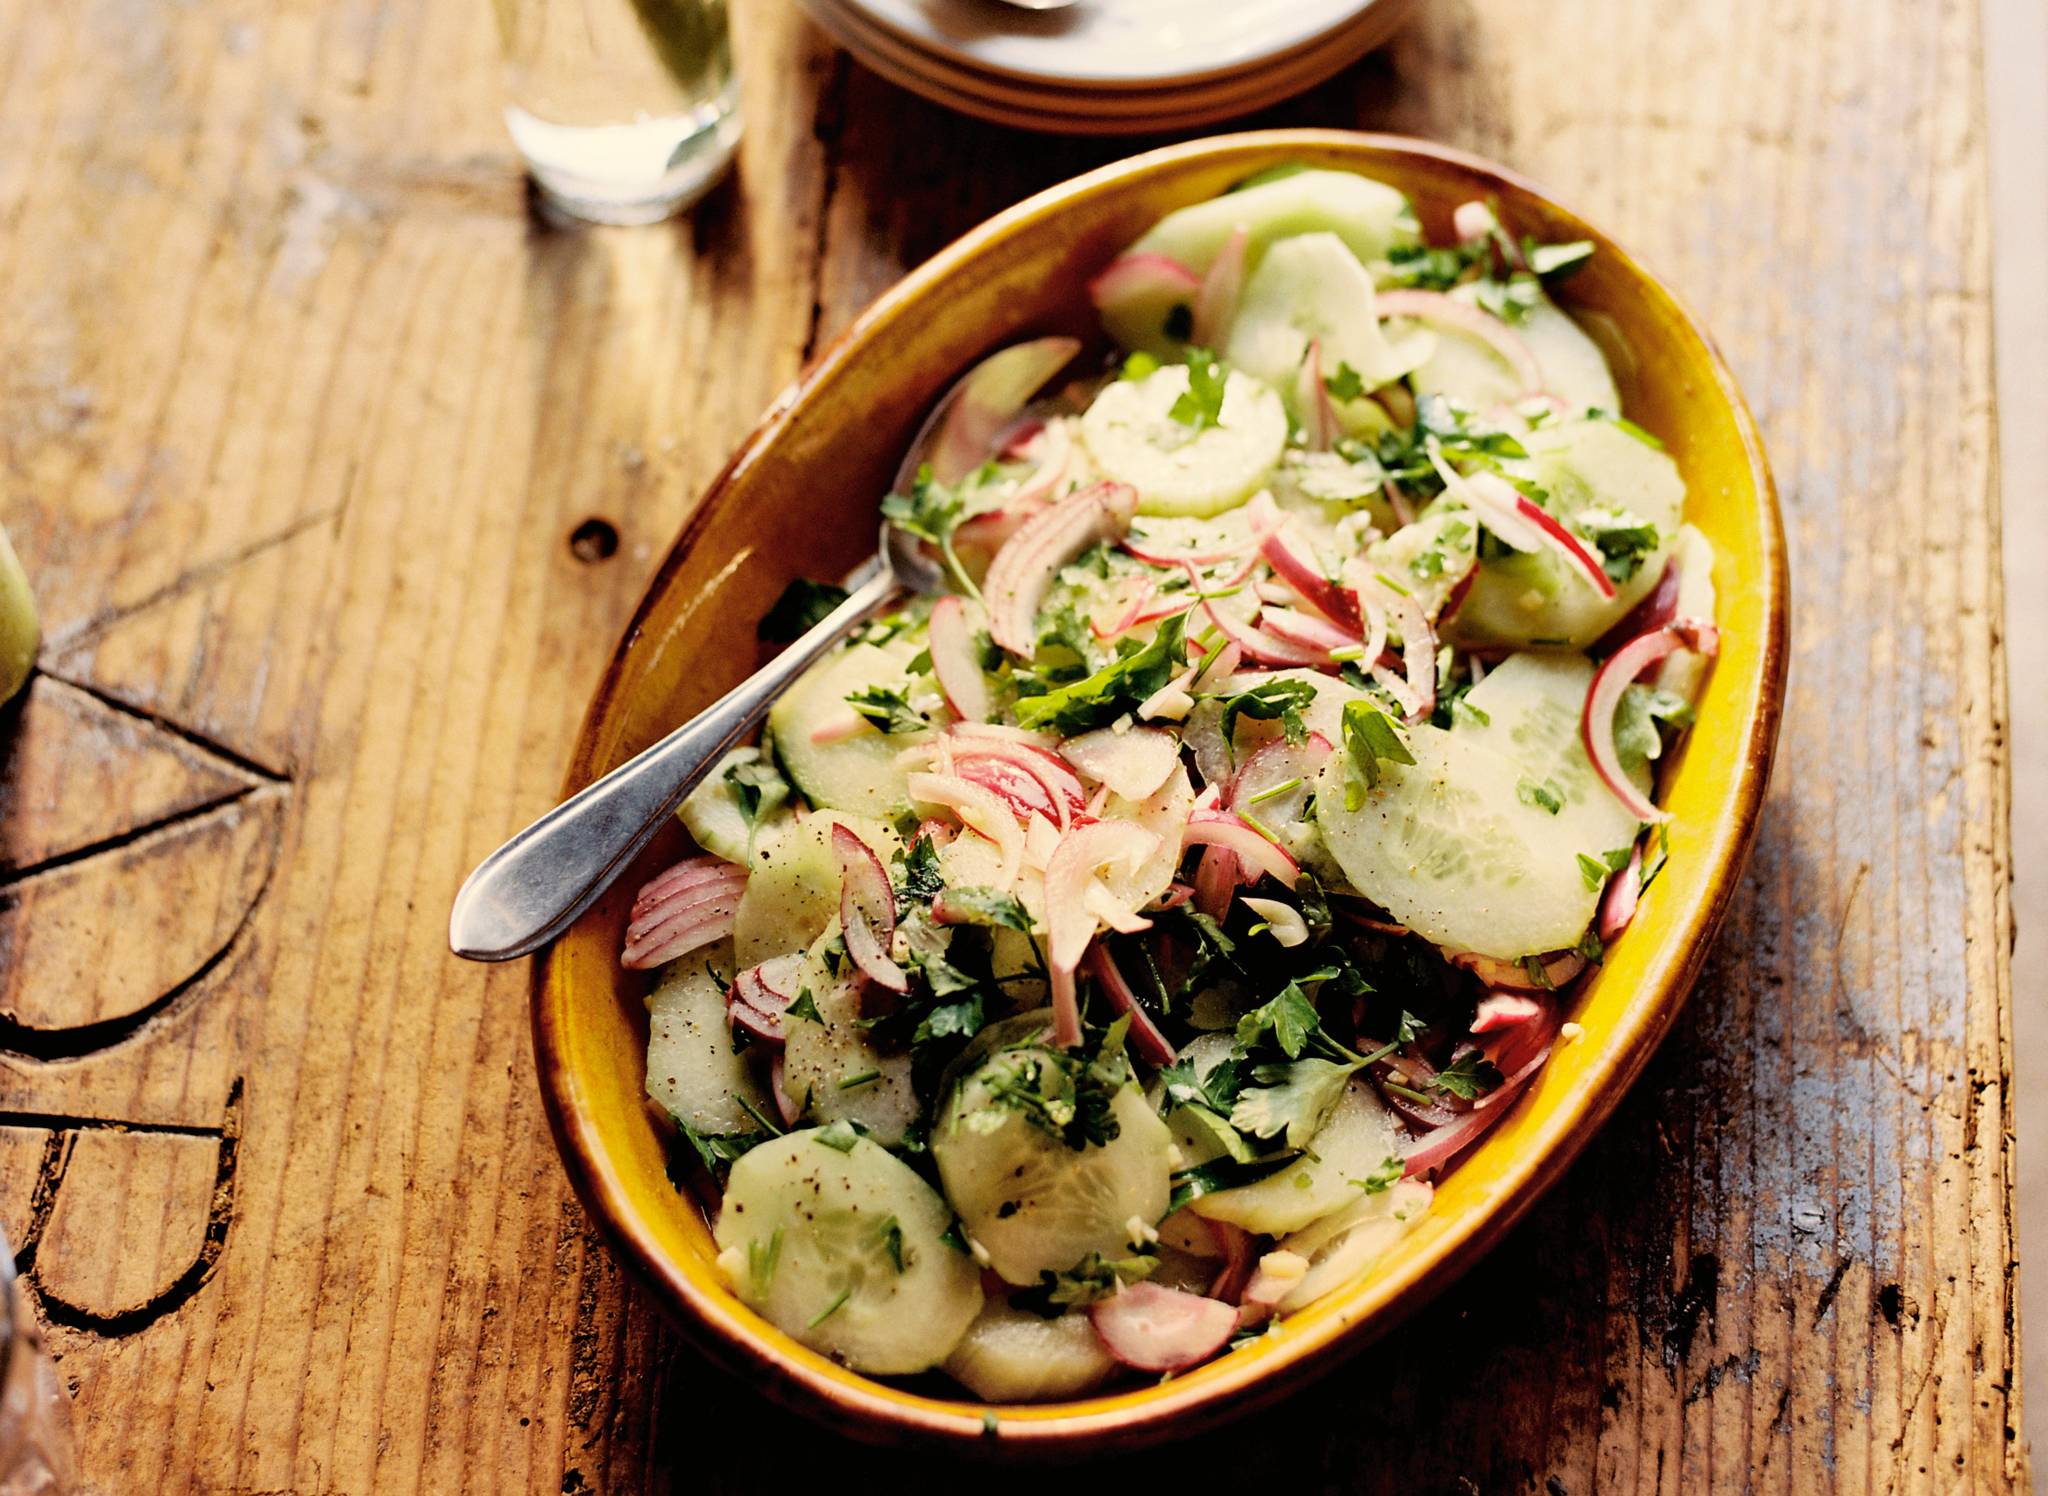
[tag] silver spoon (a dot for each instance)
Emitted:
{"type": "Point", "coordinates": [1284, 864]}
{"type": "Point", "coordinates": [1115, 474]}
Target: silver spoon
{"type": "Point", "coordinates": [531, 889]}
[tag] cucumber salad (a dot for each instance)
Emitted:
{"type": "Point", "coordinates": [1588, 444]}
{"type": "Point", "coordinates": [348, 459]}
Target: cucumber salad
{"type": "Point", "coordinates": [1098, 962]}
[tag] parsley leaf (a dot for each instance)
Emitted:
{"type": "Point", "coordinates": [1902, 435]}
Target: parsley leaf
{"type": "Point", "coordinates": [931, 512]}
{"type": "Point", "coordinates": [1544, 796]}
{"type": "Point", "coordinates": [1369, 736]}
{"type": "Point", "coordinates": [1284, 699]}
{"type": "Point", "coordinates": [839, 1136]}
{"type": "Point", "coordinates": [892, 1242]}
{"type": "Point", "coordinates": [758, 788]}
{"type": "Point", "coordinates": [1200, 405]}
{"type": "Point", "coordinates": [1636, 738]}
{"type": "Point", "coordinates": [1346, 384]}
{"type": "Point", "coordinates": [805, 1006]}
{"type": "Point", "coordinates": [1293, 1100]}
{"type": "Point", "coordinates": [1624, 542]}
{"type": "Point", "coordinates": [1595, 870]}
{"type": "Point", "coordinates": [921, 881]}
{"type": "Point", "coordinates": [985, 906]}
{"type": "Point", "coordinates": [887, 709]}
{"type": "Point", "coordinates": [1390, 1171]}
{"type": "Point", "coordinates": [1093, 1277]}
{"type": "Point", "coordinates": [1466, 1076]}
{"type": "Point", "coordinates": [1290, 1018]}
{"type": "Point", "coordinates": [802, 606]}
{"type": "Point", "coordinates": [1549, 260]}
{"type": "Point", "coordinates": [1119, 687]}
{"type": "Point", "coordinates": [1223, 1174]}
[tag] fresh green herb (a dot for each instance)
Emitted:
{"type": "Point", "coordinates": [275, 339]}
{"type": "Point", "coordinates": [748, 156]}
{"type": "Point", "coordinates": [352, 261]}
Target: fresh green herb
{"type": "Point", "coordinates": [1624, 542]}
{"type": "Point", "coordinates": [1224, 1174]}
{"type": "Point", "coordinates": [803, 605]}
{"type": "Point", "coordinates": [1511, 299]}
{"type": "Point", "coordinates": [887, 709]}
{"type": "Point", "coordinates": [1369, 737]}
{"type": "Point", "coordinates": [1275, 792]}
{"type": "Point", "coordinates": [1066, 1093]}
{"type": "Point", "coordinates": [1544, 796]}
{"type": "Point", "coordinates": [1284, 699]}
{"type": "Point", "coordinates": [1466, 1077]}
{"type": "Point", "coordinates": [922, 880]}
{"type": "Point", "coordinates": [1595, 870]}
{"type": "Point", "coordinates": [1200, 405]}
{"type": "Point", "coordinates": [830, 1309]}
{"type": "Point", "coordinates": [986, 906]}
{"type": "Point", "coordinates": [1401, 456]}
{"type": "Point", "coordinates": [1556, 260]}
{"type": "Point", "coordinates": [715, 1151]}
{"type": "Point", "coordinates": [1655, 858]}
{"type": "Point", "coordinates": [839, 1136]}
{"type": "Point", "coordinates": [762, 1258]}
{"type": "Point", "coordinates": [1292, 1100]}
{"type": "Point", "coordinates": [931, 512]}
{"type": "Point", "coordinates": [1289, 1018]}
{"type": "Point", "coordinates": [1592, 947]}
{"type": "Point", "coordinates": [1118, 687]}
{"type": "Point", "coordinates": [1391, 1171]}
{"type": "Point", "coordinates": [761, 1119]}
{"type": "Point", "coordinates": [1094, 1277]}
{"type": "Point", "coordinates": [805, 1006]}
{"type": "Point", "coordinates": [1464, 710]}
{"type": "Point", "coordinates": [863, 1078]}
{"type": "Point", "coordinates": [758, 789]}
{"type": "Point", "coordinates": [1063, 627]}
{"type": "Point", "coordinates": [1346, 384]}
{"type": "Point", "coordinates": [1636, 738]}
{"type": "Point", "coordinates": [1437, 269]}
{"type": "Point", "coordinates": [1409, 1028]}
{"type": "Point", "coordinates": [892, 1242]}
{"type": "Point", "coordinates": [955, 1238]}
{"type": "Point", "coordinates": [1140, 365]}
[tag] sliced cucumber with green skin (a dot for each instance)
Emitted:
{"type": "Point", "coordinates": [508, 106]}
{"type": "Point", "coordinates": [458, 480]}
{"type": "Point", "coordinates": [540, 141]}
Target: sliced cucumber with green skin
{"type": "Point", "coordinates": [694, 1070]}
{"type": "Point", "coordinates": [1465, 370]}
{"type": "Point", "coordinates": [844, 1251]}
{"type": "Point", "coordinates": [1357, 1138]}
{"type": "Point", "coordinates": [711, 812]}
{"type": "Point", "coordinates": [1450, 847]}
{"type": "Point", "coordinates": [1370, 217]}
{"type": "Point", "coordinates": [1016, 1355]}
{"type": "Point", "coordinates": [792, 889]}
{"type": "Point", "coordinates": [828, 1067]}
{"type": "Point", "coordinates": [1033, 1204]}
{"type": "Point", "coordinates": [1132, 438]}
{"type": "Point", "coordinates": [1313, 289]}
{"type": "Point", "coordinates": [1342, 1247]}
{"type": "Point", "coordinates": [1535, 597]}
{"type": "Point", "coordinates": [857, 771]}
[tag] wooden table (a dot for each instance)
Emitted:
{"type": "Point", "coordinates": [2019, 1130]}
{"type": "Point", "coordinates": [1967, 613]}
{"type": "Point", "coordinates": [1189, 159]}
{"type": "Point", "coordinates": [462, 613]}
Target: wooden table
{"type": "Point", "coordinates": [299, 413]}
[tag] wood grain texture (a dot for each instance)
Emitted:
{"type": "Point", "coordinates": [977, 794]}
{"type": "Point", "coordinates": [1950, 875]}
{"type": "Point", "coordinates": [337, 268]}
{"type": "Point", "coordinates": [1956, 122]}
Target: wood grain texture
{"type": "Point", "coordinates": [298, 409]}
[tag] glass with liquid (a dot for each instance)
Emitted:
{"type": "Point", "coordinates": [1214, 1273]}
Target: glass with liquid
{"type": "Point", "coordinates": [625, 110]}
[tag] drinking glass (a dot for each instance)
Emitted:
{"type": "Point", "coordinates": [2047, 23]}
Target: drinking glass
{"type": "Point", "coordinates": [35, 1415]}
{"type": "Point", "coordinates": [625, 110]}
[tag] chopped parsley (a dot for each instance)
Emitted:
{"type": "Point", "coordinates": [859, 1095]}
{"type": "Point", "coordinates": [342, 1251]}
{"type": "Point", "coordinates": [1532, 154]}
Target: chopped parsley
{"type": "Point", "coordinates": [1094, 1277]}
{"type": "Point", "coordinates": [887, 709]}
{"type": "Point", "coordinates": [1391, 1171]}
{"type": "Point", "coordinates": [1284, 699]}
{"type": "Point", "coordinates": [892, 1242]}
{"type": "Point", "coordinates": [1466, 1077]}
{"type": "Point", "coordinates": [1544, 797]}
{"type": "Point", "coordinates": [1200, 405]}
{"type": "Point", "coordinates": [1120, 686]}
{"type": "Point", "coordinates": [1595, 870]}
{"type": "Point", "coordinates": [985, 906]}
{"type": "Point", "coordinates": [931, 512]}
{"type": "Point", "coordinates": [1369, 737]}
{"type": "Point", "coordinates": [805, 1006]}
{"type": "Point", "coordinates": [839, 1136]}
{"type": "Point", "coordinates": [830, 1309]}
{"type": "Point", "coordinates": [762, 1258]}
{"type": "Point", "coordinates": [1346, 384]}
{"type": "Point", "coordinates": [758, 789]}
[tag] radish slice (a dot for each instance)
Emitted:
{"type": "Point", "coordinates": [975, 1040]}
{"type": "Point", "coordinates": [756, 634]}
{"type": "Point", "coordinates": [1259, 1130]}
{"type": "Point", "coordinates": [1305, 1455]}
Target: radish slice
{"type": "Point", "coordinates": [1216, 299]}
{"type": "Point", "coordinates": [839, 727]}
{"type": "Point", "coordinates": [1448, 311]}
{"type": "Point", "coordinates": [1216, 880]}
{"type": "Point", "coordinates": [1143, 289]}
{"type": "Point", "coordinates": [764, 1026]}
{"type": "Point", "coordinates": [1053, 452]}
{"type": "Point", "coordinates": [979, 810]}
{"type": "Point", "coordinates": [1235, 1245]}
{"type": "Point", "coordinates": [1596, 724]}
{"type": "Point", "coordinates": [1147, 1042]}
{"type": "Point", "coordinates": [1624, 892]}
{"type": "Point", "coordinates": [960, 433]}
{"type": "Point", "coordinates": [1513, 976]}
{"type": "Point", "coordinates": [1230, 831]}
{"type": "Point", "coordinates": [1133, 763]}
{"type": "Point", "coordinates": [955, 661]}
{"type": "Point", "coordinates": [1518, 521]}
{"type": "Point", "coordinates": [1154, 1329]}
{"type": "Point", "coordinates": [1312, 397]}
{"type": "Point", "coordinates": [781, 980]}
{"type": "Point", "coordinates": [1023, 569]}
{"type": "Point", "coordinates": [1071, 916]}
{"type": "Point", "coordinates": [1004, 732]}
{"type": "Point", "coordinates": [1498, 1010]}
{"type": "Point", "coordinates": [1299, 571]}
{"type": "Point", "coordinates": [1473, 220]}
{"type": "Point", "coordinates": [790, 1112]}
{"type": "Point", "coordinates": [1257, 644]}
{"type": "Point", "coordinates": [867, 910]}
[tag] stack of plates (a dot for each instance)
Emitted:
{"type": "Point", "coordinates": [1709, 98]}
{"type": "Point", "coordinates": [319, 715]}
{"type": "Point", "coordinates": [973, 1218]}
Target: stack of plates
{"type": "Point", "coordinates": [1109, 67]}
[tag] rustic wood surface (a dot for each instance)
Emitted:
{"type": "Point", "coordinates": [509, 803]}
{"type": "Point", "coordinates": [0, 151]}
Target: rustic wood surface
{"type": "Point", "coordinates": [298, 412]}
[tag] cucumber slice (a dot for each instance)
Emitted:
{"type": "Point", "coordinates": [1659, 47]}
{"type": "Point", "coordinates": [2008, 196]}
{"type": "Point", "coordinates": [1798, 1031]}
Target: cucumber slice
{"type": "Point", "coordinates": [1016, 1356]}
{"type": "Point", "coordinates": [859, 771]}
{"type": "Point", "coordinates": [1313, 288]}
{"type": "Point", "coordinates": [1342, 1247]}
{"type": "Point", "coordinates": [1132, 438]}
{"type": "Point", "coordinates": [828, 1067]}
{"type": "Point", "coordinates": [844, 1252]}
{"type": "Point", "coordinates": [1448, 847]}
{"type": "Point", "coordinates": [792, 889]}
{"type": "Point", "coordinates": [1682, 672]}
{"type": "Point", "coordinates": [1203, 731]}
{"type": "Point", "coordinates": [1429, 558]}
{"type": "Point", "coordinates": [1465, 370]}
{"type": "Point", "coordinates": [1034, 1204]}
{"type": "Point", "coordinates": [1370, 217]}
{"type": "Point", "coordinates": [1356, 1139]}
{"type": "Point", "coordinates": [711, 813]}
{"type": "Point", "coordinates": [694, 1071]}
{"type": "Point", "coordinates": [1535, 598]}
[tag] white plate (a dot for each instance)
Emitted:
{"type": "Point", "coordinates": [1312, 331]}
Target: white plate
{"type": "Point", "coordinates": [1114, 43]}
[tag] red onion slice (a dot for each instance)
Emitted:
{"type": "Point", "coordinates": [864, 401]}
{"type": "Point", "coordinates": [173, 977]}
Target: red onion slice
{"type": "Point", "coordinates": [1559, 967]}
{"type": "Point", "coordinates": [1230, 831]}
{"type": "Point", "coordinates": [1061, 789]}
{"type": "Point", "coordinates": [1318, 414]}
{"type": "Point", "coordinates": [1255, 643]}
{"type": "Point", "coordinates": [1658, 607]}
{"type": "Point", "coordinates": [1222, 284]}
{"type": "Point", "coordinates": [1596, 723]}
{"type": "Point", "coordinates": [1305, 630]}
{"type": "Point", "coordinates": [956, 662]}
{"type": "Point", "coordinates": [1154, 1329]}
{"type": "Point", "coordinates": [1071, 919]}
{"type": "Point", "coordinates": [1235, 1246]}
{"type": "Point", "coordinates": [1566, 544]}
{"type": "Point", "coordinates": [1448, 311]}
{"type": "Point", "coordinates": [785, 1106]}
{"type": "Point", "coordinates": [961, 432]}
{"type": "Point", "coordinates": [691, 872]}
{"type": "Point", "coordinates": [1147, 1042]}
{"type": "Point", "coordinates": [867, 910]}
{"type": "Point", "coordinates": [684, 909]}
{"type": "Point", "coordinates": [1023, 569]}
{"type": "Point", "coordinates": [1299, 570]}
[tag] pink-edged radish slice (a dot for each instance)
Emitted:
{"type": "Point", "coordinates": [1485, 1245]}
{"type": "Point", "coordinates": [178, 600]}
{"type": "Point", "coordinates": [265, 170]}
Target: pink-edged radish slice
{"type": "Point", "coordinates": [1447, 311]}
{"type": "Point", "coordinates": [1499, 1010]}
{"type": "Point", "coordinates": [1216, 880]}
{"type": "Point", "coordinates": [1566, 544]}
{"type": "Point", "coordinates": [867, 910]}
{"type": "Point", "coordinates": [1144, 291]}
{"type": "Point", "coordinates": [1257, 644]}
{"type": "Point", "coordinates": [1234, 1245]}
{"type": "Point", "coordinates": [1023, 569]}
{"type": "Point", "coordinates": [786, 1106]}
{"type": "Point", "coordinates": [1004, 732]}
{"type": "Point", "coordinates": [1624, 892]}
{"type": "Point", "coordinates": [1121, 606]}
{"type": "Point", "coordinates": [1312, 398]}
{"type": "Point", "coordinates": [1558, 968]}
{"type": "Point", "coordinates": [1147, 1042]}
{"type": "Point", "coordinates": [1222, 285]}
{"type": "Point", "coordinates": [1154, 1329]}
{"type": "Point", "coordinates": [956, 662]}
{"type": "Point", "coordinates": [766, 1027]}
{"type": "Point", "coordinates": [1072, 917]}
{"type": "Point", "coordinates": [1305, 629]}
{"type": "Point", "coordinates": [1133, 763]}
{"type": "Point", "coordinates": [1053, 452]}
{"type": "Point", "coordinates": [1596, 723]}
{"type": "Point", "coordinates": [1237, 836]}
{"type": "Point", "coordinates": [961, 432]}
{"type": "Point", "coordinates": [1520, 521]}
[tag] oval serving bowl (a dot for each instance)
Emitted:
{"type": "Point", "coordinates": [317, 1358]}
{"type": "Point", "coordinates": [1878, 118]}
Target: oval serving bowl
{"type": "Point", "coordinates": [800, 499]}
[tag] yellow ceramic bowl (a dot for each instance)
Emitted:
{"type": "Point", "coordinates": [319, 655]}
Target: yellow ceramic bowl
{"type": "Point", "coordinates": [799, 499]}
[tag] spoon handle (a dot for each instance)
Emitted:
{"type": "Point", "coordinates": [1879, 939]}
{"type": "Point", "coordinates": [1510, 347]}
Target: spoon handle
{"type": "Point", "coordinates": [528, 891]}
